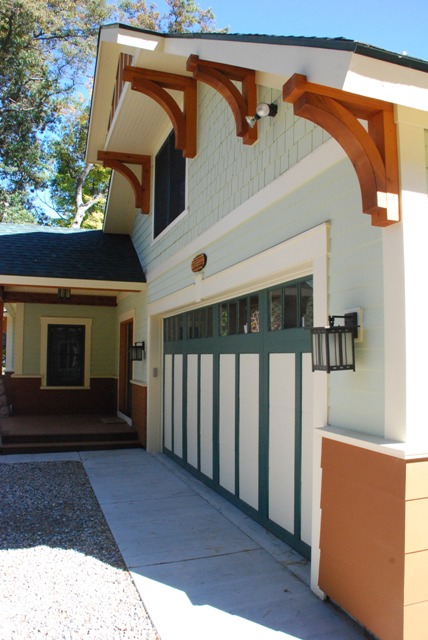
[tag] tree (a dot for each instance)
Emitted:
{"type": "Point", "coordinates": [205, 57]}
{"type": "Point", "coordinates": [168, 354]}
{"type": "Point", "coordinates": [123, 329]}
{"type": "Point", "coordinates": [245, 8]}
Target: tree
{"type": "Point", "coordinates": [46, 51]}
{"type": "Point", "coordinates": [77, 189]}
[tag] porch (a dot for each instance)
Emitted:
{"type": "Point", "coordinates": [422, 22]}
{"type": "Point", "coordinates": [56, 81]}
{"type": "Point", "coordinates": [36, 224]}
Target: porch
{"type": "Point", "coordinates": [55, 433]}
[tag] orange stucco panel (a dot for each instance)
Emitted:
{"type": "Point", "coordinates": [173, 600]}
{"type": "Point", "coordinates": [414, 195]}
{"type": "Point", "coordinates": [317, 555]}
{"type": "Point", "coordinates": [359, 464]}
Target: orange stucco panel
{"type": "Point", "coordinates": [374, 539]}
{"type": "Point", "coordinates": [362, 535]}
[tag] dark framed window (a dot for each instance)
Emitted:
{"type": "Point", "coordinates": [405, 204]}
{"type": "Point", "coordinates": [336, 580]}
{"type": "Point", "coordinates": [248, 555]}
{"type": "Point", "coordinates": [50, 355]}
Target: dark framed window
{"type": "Point", "coordinates": [66, 355]}
{"type": "Point", "coordinates": [170, 185]}
{"type": "Point", "coordinates": [291, 305]}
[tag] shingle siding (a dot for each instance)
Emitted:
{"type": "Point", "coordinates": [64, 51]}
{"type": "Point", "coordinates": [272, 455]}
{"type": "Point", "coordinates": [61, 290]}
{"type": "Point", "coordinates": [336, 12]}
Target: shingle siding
{"type": "Point", "coordinates": [226, 173]}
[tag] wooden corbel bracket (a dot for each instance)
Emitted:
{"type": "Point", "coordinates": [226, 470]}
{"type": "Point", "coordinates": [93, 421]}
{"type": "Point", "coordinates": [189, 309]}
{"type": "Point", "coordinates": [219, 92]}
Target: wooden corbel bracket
{"type": "Point", "coordinates": [372, 151]}
{"type": "Point", "coordinates": [141, 187]}
{"type": "Point", "coordinates": [154, 84]}
{"type": "Point", "coordinates": [221, 77]}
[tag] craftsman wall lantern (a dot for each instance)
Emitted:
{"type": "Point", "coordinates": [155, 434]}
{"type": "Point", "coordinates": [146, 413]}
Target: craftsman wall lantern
{"type": "Point", "coordinates": [333, 346]}
{"type": "Point", "coordinates": [263, 110]}
{"type": "Point", "coordinates": [137, 351]}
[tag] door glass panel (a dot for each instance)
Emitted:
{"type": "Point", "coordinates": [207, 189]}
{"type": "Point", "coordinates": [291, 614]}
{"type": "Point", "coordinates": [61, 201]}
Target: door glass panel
{"type": "Point", "coordinates": [290, 307]}
{"type": "Point", "coordinates": [243, 319]}
{"type": "Point", "coordinates": [203, 322]}
{"type": "Point", "coordinates": [233, 317]}
{"type": "Point", "coordinates": [307, 304]}
{"type": "Point", "coordinates": [190, 325]}
{"type": "Point", "coordinates": [223, 319]}
{"type": "Point", "coordinates": [254, 314]}
{"type": "Point", "coordinates": [197, 324]}
{"type": "Point", "coordinates": [180, 328]}
{"type": "Point", "coordinates": [275, 307]}
{"type": "Point", "coordinates": [210, 331]}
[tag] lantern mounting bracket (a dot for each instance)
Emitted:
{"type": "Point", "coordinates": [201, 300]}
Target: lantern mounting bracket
{"type": "Point", "coordinates": [351, 320]}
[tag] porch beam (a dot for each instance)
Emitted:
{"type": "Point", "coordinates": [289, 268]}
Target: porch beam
{"type": "Point", "coordinates": [52, 298]}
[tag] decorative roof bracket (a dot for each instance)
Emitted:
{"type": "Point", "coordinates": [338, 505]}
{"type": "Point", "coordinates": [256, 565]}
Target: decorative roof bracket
{"type": "Point", "coordinates": [154, 84]}
{"type": "Point", "coordinates": [221, 77]}
{"type": "Point", "coordinates": [141, 187]}
{"type": "Point", "coordinates": [373, 152]}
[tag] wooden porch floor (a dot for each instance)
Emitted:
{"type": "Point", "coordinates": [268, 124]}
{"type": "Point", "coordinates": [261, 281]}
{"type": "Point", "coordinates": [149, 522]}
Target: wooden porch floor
{"type": "Point", "coordinates": [36, 434]}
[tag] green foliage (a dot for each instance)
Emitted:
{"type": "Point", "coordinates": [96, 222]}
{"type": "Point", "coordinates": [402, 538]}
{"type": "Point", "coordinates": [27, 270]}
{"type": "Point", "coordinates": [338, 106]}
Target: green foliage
{"type": "Point", "coordinates": [16, 208]}
{"type": "Point", "coordinates": [44, 48]}
{"type": "Point", "coordinates": [46, 51]}
{"type": "Point", "coordinates": [75, 187]}
{"type": "Point", "coordinates": [184, 16]}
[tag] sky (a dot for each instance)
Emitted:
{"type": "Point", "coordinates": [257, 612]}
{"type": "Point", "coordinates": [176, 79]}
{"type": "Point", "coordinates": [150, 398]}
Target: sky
{"type": "Point", "coordinates": [394, 25]}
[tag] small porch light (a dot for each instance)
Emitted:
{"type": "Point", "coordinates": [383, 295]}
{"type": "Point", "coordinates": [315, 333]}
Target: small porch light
{"type": "Point", "coordinates": [333, 346]}
{"type": "Point", "coordinates": [137, 351]}
{"type": "Point", "coordinates": [263, 110]}
{"type": "Point", "coordinates": [64, 294]}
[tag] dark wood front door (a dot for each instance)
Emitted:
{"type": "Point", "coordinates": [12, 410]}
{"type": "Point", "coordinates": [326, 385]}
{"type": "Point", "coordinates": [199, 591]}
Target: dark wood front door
{"type": "Point", "coordinates": [125, 367]}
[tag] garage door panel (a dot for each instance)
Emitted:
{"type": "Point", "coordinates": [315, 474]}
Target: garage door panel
{"type": "Point", "coordinates": [227, 414]}
{"type": "Point", "coordinates": [282, 417]}
{"type": "Point", "coordinates": [178, 405]}
{"type": "Point", "coordinates": [192, 410]}
{"type": "Point", "coordinates": [207, 405]}
{"type": "Point", "coordinates": [307, 454]}
{"type": "Point", "coordinates": [167, 405]}
{"type": "Point", "coordinates": [249, 429]}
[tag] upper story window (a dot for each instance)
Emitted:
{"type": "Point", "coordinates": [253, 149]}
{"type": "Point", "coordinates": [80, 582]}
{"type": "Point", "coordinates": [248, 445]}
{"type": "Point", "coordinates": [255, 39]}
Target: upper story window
{"type": "Point", "coordinates": [170, 185]}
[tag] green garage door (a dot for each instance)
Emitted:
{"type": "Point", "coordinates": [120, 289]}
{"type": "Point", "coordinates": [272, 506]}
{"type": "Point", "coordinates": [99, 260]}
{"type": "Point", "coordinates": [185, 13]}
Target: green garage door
{"type": "Point", "coordinates": [238, 403]}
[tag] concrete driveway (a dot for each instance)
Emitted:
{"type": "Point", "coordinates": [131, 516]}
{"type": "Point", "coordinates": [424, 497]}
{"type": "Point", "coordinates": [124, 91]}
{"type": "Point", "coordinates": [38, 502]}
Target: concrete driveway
{"type": "Point", "coordinates": [204, 570]}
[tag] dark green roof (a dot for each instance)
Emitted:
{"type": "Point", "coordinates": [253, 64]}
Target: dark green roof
{"type": "Point", "coordinates": [339, 44]}
{"type": "Point", "coordinates": [50, 252]}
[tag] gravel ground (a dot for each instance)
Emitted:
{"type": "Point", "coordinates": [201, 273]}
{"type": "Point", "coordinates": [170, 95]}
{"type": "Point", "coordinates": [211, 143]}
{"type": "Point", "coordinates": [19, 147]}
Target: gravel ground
{"type": "Point", "coordinates": [62, 576]}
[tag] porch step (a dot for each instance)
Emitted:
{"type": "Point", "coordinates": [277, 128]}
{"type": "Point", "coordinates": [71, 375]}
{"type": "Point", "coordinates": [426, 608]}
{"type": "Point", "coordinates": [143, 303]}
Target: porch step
{"type": "Point", "coordinates": [56, 442]}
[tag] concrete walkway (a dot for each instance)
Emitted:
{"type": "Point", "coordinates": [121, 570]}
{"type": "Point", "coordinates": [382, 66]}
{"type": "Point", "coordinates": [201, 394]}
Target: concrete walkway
{"type": "Point", "coordinates": [204, 570]}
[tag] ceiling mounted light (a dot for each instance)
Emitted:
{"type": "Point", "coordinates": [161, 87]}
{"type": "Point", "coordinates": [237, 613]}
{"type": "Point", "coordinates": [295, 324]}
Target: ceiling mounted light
{"type": "Point", "coordinates": [263, 110]}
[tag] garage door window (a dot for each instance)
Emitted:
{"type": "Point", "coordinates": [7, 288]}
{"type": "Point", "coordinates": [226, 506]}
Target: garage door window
{"type": "Point", "coordinates": [291, 306]}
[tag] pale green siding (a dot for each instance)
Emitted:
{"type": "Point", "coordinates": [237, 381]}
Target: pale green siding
{"type": "Point", "coordinates": [135, 303]}
{"type": "Point", "coordinates": [356, 400]}
{"type": "Point", "coordinates": [223, 176]}
{"type": "Point", "coordinates": [103, 348]}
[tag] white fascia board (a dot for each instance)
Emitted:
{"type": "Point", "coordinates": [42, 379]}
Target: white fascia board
{"type": "Point", "coordinates": [386, 81]}
{"type": "Point", "coordinates": [69, 283]}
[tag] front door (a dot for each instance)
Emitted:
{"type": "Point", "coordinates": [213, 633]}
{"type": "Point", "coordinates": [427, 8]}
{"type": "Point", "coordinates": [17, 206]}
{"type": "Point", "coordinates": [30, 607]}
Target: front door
{"type": "Point", "coordinates": [125, 367]}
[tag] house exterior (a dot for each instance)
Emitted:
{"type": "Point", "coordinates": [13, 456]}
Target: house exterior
{"type": "Point", "coordinates": [248, 236]}
{"type": "Point", "coordinates": [60, 292]}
